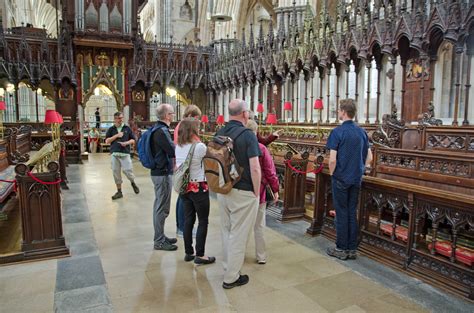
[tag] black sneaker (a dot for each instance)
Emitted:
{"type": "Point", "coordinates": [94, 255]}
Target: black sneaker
{"type": "Point", "coordinates": [188, 258]}
{"type": "Point", "coordinates": [166, 246]}
{"type": "Point", "coordinates": [171, 240]}
{"type": "Point", "coordinates": [135, 188]}
{"type": "Point", "coordinates": [117, 195]}
{"type": "Point", "coordinates": [202, 261]}
{"type": "Point", "coordinates": [352, 254]}
{"type": "Point", "coordinates": [242, 280]}
{"type": "Point", "coordinates": [334, 252]}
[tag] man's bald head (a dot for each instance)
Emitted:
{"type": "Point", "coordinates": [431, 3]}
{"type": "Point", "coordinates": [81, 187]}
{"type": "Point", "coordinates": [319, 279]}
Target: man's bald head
{"type": "Point", "coordinates": [236, 107]}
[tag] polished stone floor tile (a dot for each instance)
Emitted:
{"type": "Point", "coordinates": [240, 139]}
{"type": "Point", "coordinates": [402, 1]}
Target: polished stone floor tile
{"type": "Point", "coordinates": [37, 302]}
{"type": "Point", "coordinates": [79, 299]}
{"type": "Point", "coordinates": [339, 291]}
{"type": "Point", "coordinates": [71, 273]}
{"type": "Point", "coordinates": [390, 303]}
{"type": "Point", "coordinates": [283, 300]}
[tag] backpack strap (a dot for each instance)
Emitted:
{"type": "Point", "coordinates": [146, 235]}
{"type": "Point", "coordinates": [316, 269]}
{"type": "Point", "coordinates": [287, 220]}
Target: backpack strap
{"type": "Point", "coordinates": [239, 132]}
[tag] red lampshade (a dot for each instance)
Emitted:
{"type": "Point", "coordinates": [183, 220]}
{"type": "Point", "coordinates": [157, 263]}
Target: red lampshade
{"type": "Point", "coordinates": [3, 106]}
{"type": "Point", "coordinates": [271, 119]}
{"type": "Point", "coordinates": [220, 120]}
{"type": "Point", "coordinates": [318, 104]}
{"type": "Point", "coordinates": [60, 118]}
{"type": "Point", "coordinates": [260, 108]}
{"type": "Point", "coordinates": [51, 117]}
{"type": "Point", "coordinates": [204, 119]}
{"type": "Point", "coordinates": [287, 106]}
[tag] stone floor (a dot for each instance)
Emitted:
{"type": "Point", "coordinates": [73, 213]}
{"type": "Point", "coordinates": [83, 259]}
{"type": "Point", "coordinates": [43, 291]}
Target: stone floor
{"type": "Point", "coordinates": [113, 267]}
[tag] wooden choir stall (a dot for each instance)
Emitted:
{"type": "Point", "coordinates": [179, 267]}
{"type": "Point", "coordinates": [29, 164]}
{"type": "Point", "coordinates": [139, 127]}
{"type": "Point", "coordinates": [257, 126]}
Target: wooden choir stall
{"type": "Point", "coordinates": [416, 206]}
{"type": "Point", "coordinates": [30, 195]}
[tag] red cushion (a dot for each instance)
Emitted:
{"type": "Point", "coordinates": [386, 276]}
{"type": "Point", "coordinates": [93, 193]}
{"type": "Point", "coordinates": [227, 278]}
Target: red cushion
{"type": "Point", "coordinates": [463, 255]}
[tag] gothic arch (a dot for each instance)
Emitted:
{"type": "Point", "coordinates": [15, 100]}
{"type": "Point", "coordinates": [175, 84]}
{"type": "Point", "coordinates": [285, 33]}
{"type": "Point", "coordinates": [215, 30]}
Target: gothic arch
{"type": "Point", "coordinates": [104, 78]}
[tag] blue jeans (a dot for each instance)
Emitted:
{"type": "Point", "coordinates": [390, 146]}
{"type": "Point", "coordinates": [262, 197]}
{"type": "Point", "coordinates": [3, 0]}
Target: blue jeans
{"type": "Point", "coordinates": [179, 214]}
{"type": "Point", "coordinates": [345, 199]}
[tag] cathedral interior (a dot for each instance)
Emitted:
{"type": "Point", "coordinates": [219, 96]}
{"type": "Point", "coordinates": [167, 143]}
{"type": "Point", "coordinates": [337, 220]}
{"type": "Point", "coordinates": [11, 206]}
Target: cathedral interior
{"type": "Point", "coordinates": [66, 66]}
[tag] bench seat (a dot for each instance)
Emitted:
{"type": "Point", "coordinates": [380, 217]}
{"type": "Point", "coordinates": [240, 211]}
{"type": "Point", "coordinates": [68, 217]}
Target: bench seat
{"type": "Point", "coordinates": [6, 188]}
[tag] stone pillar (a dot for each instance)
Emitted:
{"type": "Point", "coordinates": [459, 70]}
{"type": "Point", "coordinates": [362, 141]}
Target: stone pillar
{"type": "Point", "coordinates": [126, 112]}
{"type": "Point", "coordinates": [368, 66]}
{"type": "Point", "coordinates": [80, 114]}
{"type": "Point", "coordinates": [465, 122]}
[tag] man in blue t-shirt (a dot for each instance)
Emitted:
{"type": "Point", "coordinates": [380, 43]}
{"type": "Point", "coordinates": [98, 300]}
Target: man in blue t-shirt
{"type": "Point", "coordinates": [349, 154]}
{"type": "Point", "coordinates": [239, 207]}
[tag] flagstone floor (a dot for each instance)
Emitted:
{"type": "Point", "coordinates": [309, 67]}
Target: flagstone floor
{"type": "Point", "coordinates": [113, 267]}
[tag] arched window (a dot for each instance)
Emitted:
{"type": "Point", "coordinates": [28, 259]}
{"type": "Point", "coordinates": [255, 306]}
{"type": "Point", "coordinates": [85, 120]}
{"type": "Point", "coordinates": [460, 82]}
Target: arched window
{"type": "Point", "coordinates": [32, 104]}
{"type": "Point", "coordinates": [443, 99]}
{"type": "Point", "coordinates": [105, 101]}
{"type": "Point", "coordinates": [8, 94]}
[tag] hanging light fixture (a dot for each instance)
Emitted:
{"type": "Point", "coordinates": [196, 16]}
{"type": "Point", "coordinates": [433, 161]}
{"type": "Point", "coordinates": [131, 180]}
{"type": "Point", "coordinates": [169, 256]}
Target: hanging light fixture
{"type": "Point", "coordinates": [215, 11]}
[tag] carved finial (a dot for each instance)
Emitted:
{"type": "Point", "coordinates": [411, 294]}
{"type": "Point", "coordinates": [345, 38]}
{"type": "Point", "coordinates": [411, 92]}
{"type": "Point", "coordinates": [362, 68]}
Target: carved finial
{"type": "Point", "coordinates": [260, 35]}
{"type": "Point", "coordinates": [251, 39]}
{"type": "Point", "coordinates": [281, 27]}
{"type": "Point", "coordinates": [270, 29]}
{"type": "Point", "coordinates": [428, 118]}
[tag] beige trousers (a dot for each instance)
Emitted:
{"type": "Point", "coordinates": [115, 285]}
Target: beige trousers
{"type": "Point", "coordinates": [124, 164]}
{"type": "Point", "coordinates": [258, 232]}
{"type": "Point", "coordinates": [238, 212]}
{"type": "Point", "coordinates": [93, 146]}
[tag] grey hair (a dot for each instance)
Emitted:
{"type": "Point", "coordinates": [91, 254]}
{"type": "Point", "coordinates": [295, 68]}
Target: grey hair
{"type": "Point", "coordinates": [236, 107]}
{"type": "Point", "coordinates": [162, 110]}
{"type": "Point", "coordinates": [252, 125]}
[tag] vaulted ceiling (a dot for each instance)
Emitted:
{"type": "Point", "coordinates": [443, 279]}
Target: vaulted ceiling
{"type": "Point", "coordinates": [38, 13]}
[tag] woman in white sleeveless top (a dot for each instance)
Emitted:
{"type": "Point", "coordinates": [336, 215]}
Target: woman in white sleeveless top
{"type": "Point", "coordinates": [196, 198]}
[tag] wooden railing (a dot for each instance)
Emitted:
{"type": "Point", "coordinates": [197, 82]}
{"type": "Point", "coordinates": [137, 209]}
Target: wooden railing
{"type": "Point", "coordinates": [424, 231]}
{"type": "Point", "coordinates": [39, 197]}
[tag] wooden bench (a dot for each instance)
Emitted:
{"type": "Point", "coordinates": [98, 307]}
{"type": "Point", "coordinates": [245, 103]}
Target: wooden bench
{"type": "Point", "coordinates": [18, 144]}
{"type": "Point", "coordinates": [6, 173]}
{"type": "Point", "coordinates": [104, 147]}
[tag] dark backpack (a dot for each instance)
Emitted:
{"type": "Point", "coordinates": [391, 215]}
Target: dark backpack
{"type": "Point", "coordinates": [144, 148]}
{"type": "Point", "coordinates": [220, 165]}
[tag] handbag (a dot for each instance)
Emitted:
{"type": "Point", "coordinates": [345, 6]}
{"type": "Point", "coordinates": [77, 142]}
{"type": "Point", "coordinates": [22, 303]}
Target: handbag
{"type": "Point", "coordinates": [181, 176]}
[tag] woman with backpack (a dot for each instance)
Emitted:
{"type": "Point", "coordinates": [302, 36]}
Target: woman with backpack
{"type": "Point", "coordinates": [195, 199]}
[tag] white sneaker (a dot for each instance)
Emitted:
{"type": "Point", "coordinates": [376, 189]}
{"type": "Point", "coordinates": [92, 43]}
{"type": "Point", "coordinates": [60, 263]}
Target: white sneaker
{"type": "Point", "coordinates": [179, 234]}
{"type": "Point", "coordinates": [262, 262]}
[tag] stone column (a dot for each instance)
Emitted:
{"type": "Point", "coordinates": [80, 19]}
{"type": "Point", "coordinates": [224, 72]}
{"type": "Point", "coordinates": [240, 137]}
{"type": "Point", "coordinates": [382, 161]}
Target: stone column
{"type": "Point", "coordinates": [80, 114]}
{"type": "Point", "coordinates": [368, 65]}
{"type": "Point", "coordinates": [465, 122]}
{"type": "Point", "coordinates": [457, 81]}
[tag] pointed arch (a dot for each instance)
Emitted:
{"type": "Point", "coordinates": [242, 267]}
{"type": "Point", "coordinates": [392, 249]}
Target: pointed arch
{"type": "Point", "coordinates": [104, 78]}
